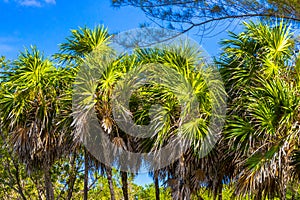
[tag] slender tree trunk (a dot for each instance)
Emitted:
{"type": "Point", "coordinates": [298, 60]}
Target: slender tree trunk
{"type": "Point", "coordinates": [86, 175]}
{"type": "Point", "coordinates": [220, 192]}
{"type": "Point", "coordinates": [17, 176]}
{"type": "Point", "coordinates": [110, 182]}
{"type": "Point", "coordinates": [72, 178]}
{"type": "Point", "coordinates": [186, 193]}
{"type": "Point", "coordinates": [48, 184]}
{"type": "Point", "coordinates": [284, 194]}
{"type": "Point", "coordinates": [124, 185]}
{"type": "Point", "coordinates": [156, 184]}
{"type": "Point", "coordinates": [181, 177]}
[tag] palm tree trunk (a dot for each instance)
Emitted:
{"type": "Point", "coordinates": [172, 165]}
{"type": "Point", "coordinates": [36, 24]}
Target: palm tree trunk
{"type": "Point", "coordinates": [48, 184]}
{"type": "Point", "coordinates": [156, 184]}
{"type": "Point", "coordinates": [110, 182]}
{"type": "Point", "coordinates": [72, 178]}
{"type": "Point", "coordinates": [187, 193]}
{"type": "Point", "coordinates": [124, 185]}
{"type": "Point", "coordinates": [86, 175]}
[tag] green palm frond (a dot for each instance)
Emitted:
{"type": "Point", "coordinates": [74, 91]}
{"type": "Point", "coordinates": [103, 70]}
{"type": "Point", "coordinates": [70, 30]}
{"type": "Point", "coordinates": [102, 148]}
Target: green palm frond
{"type": "Point", "coordinates": [82, 42]}
{"type": "Point", "coordinates": [263, 108]}
{"type": "Point", "coordinates": [35, 108]}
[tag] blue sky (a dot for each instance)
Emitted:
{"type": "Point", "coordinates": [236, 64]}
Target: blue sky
{"type": "Point", "coordinates": [46, 23]}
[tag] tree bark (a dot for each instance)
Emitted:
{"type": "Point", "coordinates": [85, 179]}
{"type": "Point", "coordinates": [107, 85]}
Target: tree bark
{"type": "Point", "coordinates": [156, 184]}
{"type": "Point", "coordinates": [48, 184]}
{"type": "Point", "coordinates": [86, 175]}
{"type": "Point", "coordinates": [124, 185]}
{"type": "Point", "coordinates": [110, 182]}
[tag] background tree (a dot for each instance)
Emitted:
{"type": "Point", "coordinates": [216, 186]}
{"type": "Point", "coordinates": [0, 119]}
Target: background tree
{"type": "Point", "coordinates": [206, 16]}
{"type": "Point", "coordinates": [258, 66]}
{"type": "Point", "coordinates": [34, 112]}
{"type": "Point", "coordinates": [258, 156]}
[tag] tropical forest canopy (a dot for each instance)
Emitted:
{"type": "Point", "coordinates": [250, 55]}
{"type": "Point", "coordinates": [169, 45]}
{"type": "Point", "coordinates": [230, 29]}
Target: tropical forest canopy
{"type": "Point", "coordinates": [256, 155]}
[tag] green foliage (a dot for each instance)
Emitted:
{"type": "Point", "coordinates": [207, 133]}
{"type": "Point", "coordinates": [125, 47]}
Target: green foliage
{"type": "Point", "coordinates": [257, 156]}
{"type": "Point", "coordinates": [148, 192]}
{"type": "Point", "coordinates": [82, 42]}
{"type": "Point", "coordinates": [257, 66]}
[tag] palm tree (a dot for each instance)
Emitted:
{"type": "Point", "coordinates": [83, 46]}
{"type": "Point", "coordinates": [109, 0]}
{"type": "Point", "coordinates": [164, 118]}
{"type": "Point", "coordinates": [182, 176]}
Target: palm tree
{"type": "Point", "coordinates": [183, 175]}
{"type": "Point", "coordinates": [257, 66]}
{"type": "Point", "coordinates": [34, 111]}
{"type": "Point", "coordinates": [79, 45]}
{"type": "Point", "coordinates": [96, 95]}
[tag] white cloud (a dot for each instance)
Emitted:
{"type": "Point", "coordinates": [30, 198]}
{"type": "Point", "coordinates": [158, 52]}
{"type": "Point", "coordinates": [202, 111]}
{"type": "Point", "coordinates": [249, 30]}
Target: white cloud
{"type": "Point", "coordinates": [30, 3]}
{"type": "Point", "coordinates": [34, 3]}
{"type": "Point", "coordinates": [5, 1]}
{"type": "Point", "coordinates": [50, 1]}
